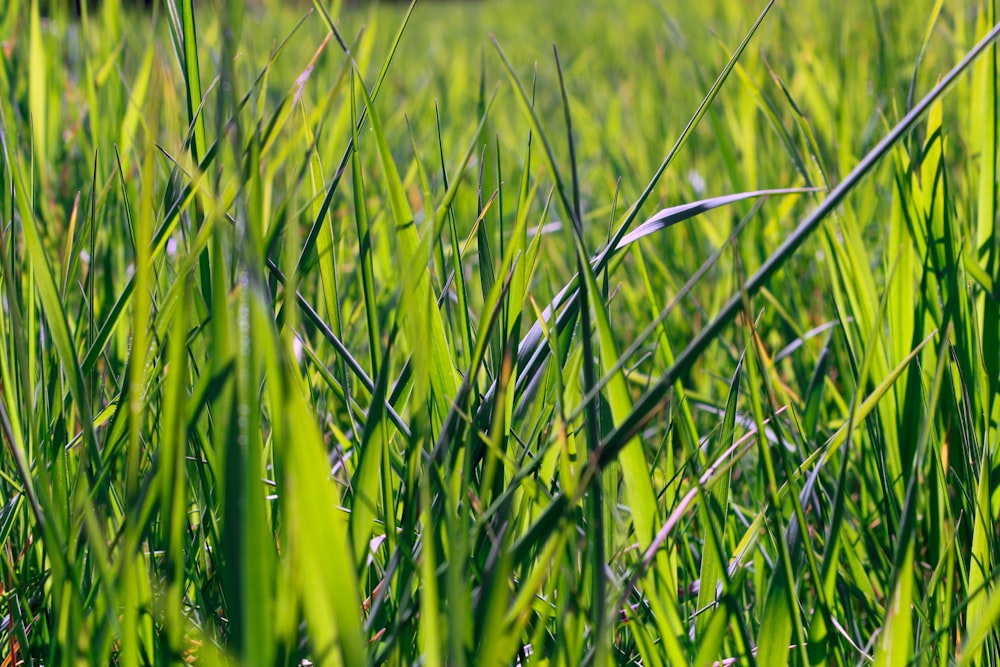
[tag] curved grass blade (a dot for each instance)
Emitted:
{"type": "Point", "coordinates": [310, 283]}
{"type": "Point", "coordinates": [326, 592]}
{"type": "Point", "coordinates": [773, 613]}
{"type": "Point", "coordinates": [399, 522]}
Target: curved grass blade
{"type": "Point", "coordinates": [422, 320]}
{"type": "Point", "coordinates": [646, 407]}
{"type": "Point", "coordinates": [532, 346]}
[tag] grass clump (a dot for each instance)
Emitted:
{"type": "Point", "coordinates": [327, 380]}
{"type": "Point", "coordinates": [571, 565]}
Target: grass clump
{"type": "Point", "coordinates": [386, 335]}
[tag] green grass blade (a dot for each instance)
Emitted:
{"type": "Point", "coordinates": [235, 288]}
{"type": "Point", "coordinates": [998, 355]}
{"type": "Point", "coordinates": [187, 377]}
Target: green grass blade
{"type": "Point", "coordinates": [48, 290]}
{"type": "Point", "coordinates": [422, 321]}
{"type": "Point", "coordinates": [714, 510]}
{"type": "Point", "coordinates": [645, 407]}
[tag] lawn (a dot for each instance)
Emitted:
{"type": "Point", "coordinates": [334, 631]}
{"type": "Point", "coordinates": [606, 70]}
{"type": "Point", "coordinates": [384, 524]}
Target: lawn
{"type": "Point", "coordinates": [499, 333]}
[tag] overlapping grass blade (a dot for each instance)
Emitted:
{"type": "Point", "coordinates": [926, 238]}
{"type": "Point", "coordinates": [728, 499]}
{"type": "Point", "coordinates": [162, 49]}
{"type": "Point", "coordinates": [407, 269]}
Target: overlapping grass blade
{"type": "Point", "coordinates": [644, 410]}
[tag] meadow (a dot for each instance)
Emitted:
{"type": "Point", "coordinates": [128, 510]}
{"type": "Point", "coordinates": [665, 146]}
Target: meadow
{"type": "Point", "coordinates": [499, 333]}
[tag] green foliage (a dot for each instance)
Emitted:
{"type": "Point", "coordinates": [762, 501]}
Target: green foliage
{"type": "Point", "coordinates": [376, 334]}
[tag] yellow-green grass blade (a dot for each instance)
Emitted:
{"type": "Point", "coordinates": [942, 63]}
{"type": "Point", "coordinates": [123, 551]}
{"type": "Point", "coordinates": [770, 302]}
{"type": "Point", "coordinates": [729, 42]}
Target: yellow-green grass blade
{"type": "Point", "coordinates": [172, 479]}
{"type": "Point", "coordinates": [422, 319]}
{"type": "Point", "coordinates": [192, 78]}
{"type": "Point", "coordinates": [326, 250]}
{"type": "Point", "coordinates": [38, 93]}
{"type": "Point", "coordinates": [714, 508]}
{"type": "Point", "coordinates": [315, 532]}
{"type": "Point", "coordinates": [896, 642]}
{"type": "Point", "coordinates": [979, 629]}
{"type": "Point", "coordinates": [363, 227]}
{"type": "Point", "coordinates": [251, 565]}
{"type": "Point", "coordinates": [355, 58]}
{"type": "Point", "coordinates": [137, 630]}
{"type": "Point", "coordinates": [484, 247]}
{"type": "Point", "coordinates": [780, 618]}
{"type": "Point", "coordinates": [983, 119]}
{"type": "Point", "coordinates": [987, 246]}
{"type": "Point", "coordinates": [496, 588]}
{"type": "Point", "coordinates": [327, 585]}
{"type": "Point", "coordinates": [645, 407]}
{"type": "Point", "coordinates": [432, 633]}
{"type": "Point", "coordinates": [932, 19]}
{"type": "Point", "coordinates": [372, 474]}
{"type": "Point", "coordinates": [134, 115]}
{"type": "Point", "coordinates": [518, 246]}
{"type": "Point", "coordinates": [981, 556]}
{"type": "Point", "coordinates": [48, 290]}
{"type": "Point", "coordinates": [712, 636]}
{"type": "Point", "coordinates": [638, 488]}
{"type": "Point", "coordinates": [462, 329]}
{"type": "Point", "coordinates": [497, 641]}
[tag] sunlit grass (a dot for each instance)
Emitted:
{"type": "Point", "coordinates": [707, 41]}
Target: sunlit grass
{"type": "Point", "coordinates": [394, 335]}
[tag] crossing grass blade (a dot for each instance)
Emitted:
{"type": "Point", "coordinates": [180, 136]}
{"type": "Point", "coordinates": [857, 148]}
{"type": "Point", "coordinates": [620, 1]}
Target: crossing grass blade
{"type": "Point", "coordinates": [644, 409]}
{"type": "Point", "coordinates": [780, 621]}
{"type": "Point", "coordinates": [896, 643]}
{"type": "Point", "coordinates": [422, 321]}
{"type": "Point", "coordinates": [639, 494]}
{"type": "Point", "coordinates": [714, 508]}
{"type": "Point", "coordinates": [322, 571]}
{"type": "Point", "coordinates": [979, 630]}
{"type": "Point", "coordinates": [354, 61]}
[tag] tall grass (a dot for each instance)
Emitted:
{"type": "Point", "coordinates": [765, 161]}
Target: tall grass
{"type": "Point", "coordinates": [391, 335]}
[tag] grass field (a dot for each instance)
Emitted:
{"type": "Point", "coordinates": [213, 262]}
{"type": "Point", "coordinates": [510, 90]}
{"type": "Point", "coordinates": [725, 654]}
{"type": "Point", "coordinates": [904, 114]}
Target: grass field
{"type": "Point", "coordinates": [367, 334]}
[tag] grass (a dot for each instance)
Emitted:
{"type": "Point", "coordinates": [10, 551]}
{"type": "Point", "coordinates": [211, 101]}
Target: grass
{"type": "Point", "coordinates": [384, 334]}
